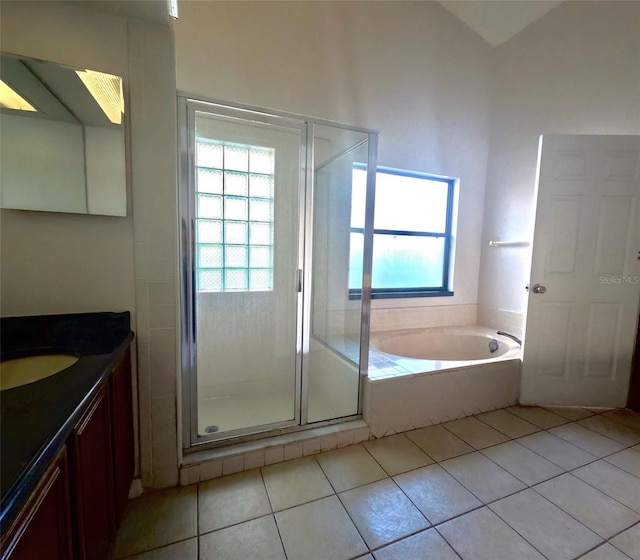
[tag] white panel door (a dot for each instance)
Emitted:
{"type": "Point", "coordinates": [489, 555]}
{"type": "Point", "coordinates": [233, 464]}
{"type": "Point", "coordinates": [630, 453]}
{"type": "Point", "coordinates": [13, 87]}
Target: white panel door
{"type": "Point", "coordinates": [585, 274]}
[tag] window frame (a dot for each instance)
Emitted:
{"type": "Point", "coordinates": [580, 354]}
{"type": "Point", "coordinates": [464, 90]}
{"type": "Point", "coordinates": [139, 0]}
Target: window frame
{"type": "Point", "coordinates": [444, 290]}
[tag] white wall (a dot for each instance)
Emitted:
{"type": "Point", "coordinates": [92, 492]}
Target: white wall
{"type": "Point", "coordinates": [63, 263]}
{"type": "Point", "coordinates": [408, 69]}
{"type": "Point", "coordinates": [575, 71]}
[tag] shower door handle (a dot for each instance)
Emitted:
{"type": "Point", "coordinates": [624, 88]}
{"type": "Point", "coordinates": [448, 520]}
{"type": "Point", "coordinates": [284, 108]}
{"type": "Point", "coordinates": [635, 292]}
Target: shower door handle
{"type": "Point", "coordinates": [299, 280]}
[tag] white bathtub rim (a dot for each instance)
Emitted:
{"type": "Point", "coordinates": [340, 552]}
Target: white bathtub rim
{"type": "Point", "coordinates": [429, 367]}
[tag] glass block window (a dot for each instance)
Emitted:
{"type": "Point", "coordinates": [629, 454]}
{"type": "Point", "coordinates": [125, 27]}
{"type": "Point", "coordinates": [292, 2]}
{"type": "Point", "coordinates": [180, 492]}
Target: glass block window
{"type": "Point", "coordinates": [234, 217]}
{"type": "Point", "coordinates": [412, 234]}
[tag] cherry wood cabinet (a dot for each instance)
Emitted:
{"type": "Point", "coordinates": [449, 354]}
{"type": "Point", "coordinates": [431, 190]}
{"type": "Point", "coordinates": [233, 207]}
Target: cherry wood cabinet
{"type": "Point", "coordinates": [92, 480]}
{"type": "Point", "coordinates": [43, 527]}
{"type": "Point", "coordinates": [79, 502]}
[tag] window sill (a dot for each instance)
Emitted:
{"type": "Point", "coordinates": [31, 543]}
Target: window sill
{"type": "Point", "coordinates": [391, 294]}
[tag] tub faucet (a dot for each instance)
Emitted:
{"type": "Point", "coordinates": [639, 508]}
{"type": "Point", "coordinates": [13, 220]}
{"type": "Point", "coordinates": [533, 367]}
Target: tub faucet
{"type": "Point", "coordinates": [511, 336]}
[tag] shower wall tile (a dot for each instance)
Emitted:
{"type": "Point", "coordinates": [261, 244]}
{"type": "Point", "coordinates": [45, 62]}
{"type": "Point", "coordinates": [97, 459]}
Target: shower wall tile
{"type": "Point", "coordinates": [162, 316]}
{"type": "Point", "coordinates": [164, 442]}
{"type": "Point", "coordinates": [189, 475]}
{"type": "Point", "coordinates": [366, 402]}
{"type": "Point", "coordinates": [163, 374]}
{"type": "Point", "coordinates": [142, 297]}
{"type": "Point", "coordinates": [161, 339]}
{"type": "Point", "coordinates": [292, 451]}
{"type": "Point", "coordinates": [255, 460]}
{"type": "Point", "coordinates": [274, 455]}
{"type": "Point", "coordinates": [210, 470]}
{"type": "Point", "coordinates": [394, 318]}
{"type": "Point", "coordinates": [501, 319]}
{"type": "Point", "coordinates": [347, 321]}
{"type": "Point", "coordinates": [160, 245]}
{"type": "Point", "coordinates": [311, 446]}
{"type": "Point", "coordinates": [144, 424]}
{"type": "Point", "coordinates": [162, 412]}
{"type": "Point", "coordinates": [153, 172]}
{"type": "Point", "coordinates": [361, 434]}
{"type": "Point", "coordinates": [232, 465]}
{"type": "Point", "coordinates": [302, 445]}
{"type": "Point", "coordinates": [161, 293]}
{"type": "Point", "coordinates": [329, 442]}
{"type": "Point", "coordinates": [345, 439]}
{"type": "Point", "coordinates": [157, 268]}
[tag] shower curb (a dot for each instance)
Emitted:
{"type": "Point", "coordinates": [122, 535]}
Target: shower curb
{"type": "Point", "coordinates": [214, 463]}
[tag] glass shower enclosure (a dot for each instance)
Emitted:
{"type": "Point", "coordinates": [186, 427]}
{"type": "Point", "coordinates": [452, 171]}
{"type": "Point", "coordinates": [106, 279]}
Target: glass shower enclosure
{"type": "Point", "coordinates": [271, 341]}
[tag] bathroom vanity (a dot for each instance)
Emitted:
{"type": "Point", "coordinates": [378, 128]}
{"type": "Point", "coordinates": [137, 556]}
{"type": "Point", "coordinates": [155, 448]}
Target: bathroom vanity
{"type": "Point", "coordinates": [67, 439]}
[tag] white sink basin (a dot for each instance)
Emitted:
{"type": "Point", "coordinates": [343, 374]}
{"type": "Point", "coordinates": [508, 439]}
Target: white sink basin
{"type": "Point", "coordinates": [21, 371]}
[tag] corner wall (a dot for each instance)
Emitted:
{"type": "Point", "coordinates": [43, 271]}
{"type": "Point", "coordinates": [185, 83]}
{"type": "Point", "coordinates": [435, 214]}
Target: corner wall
{"type": "Point", "coordinates": [575, 71]}
{"type": "Point", "coordinates": [64, 263]}
{"type": "Point", "coordinates": [408, 69]}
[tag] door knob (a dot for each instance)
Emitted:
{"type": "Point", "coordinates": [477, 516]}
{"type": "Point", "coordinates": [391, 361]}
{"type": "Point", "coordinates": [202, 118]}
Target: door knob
{"type": "Point", "coordinates": [538, 289]}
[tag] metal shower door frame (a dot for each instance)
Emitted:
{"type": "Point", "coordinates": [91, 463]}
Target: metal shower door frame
{"type": "Point", "coordinates": [187, 105]}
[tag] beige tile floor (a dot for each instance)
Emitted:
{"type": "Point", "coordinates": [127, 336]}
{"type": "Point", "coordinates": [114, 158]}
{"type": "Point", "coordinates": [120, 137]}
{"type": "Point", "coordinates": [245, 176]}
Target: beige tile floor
{"type": "Point", "coordinates": [514, 484]}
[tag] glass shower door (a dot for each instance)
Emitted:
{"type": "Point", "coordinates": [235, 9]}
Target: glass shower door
{"type": "Point", "coordinates": [245, 207]}
{"type": "Point", "coordinates": [332, 364]}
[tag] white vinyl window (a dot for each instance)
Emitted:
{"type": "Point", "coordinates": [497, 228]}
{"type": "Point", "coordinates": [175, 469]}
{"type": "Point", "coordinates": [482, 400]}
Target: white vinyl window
{"type": "Point", "coordinates": [412, 235]}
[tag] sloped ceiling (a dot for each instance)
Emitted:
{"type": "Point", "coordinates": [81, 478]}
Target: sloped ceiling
{"type": "Point", "coordinates": [154, 11]}
{"type": "Point", "coordinates": [494, 20]}
{"type": "Point", "coordinates": [498, 20]}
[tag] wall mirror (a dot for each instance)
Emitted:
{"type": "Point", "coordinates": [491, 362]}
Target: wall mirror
{"type": "Point", "coordinates": [62, 137]}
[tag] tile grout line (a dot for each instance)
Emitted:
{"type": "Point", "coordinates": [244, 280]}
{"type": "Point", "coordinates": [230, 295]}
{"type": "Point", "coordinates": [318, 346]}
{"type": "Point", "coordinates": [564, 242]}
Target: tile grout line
{"type": "Point", "coordinates": [515, 475]}
{"type": "Point", "coordinates": [390, 477]}
{"type": "Point", "coordinates": [128, 556]}
{"type": "Point", "coordinates": [527, 486]}
{"type": "Point", "coordinates": [597, 547]}
{"type": "Point", "coordinates": [482, 503]}
{"type": "Point", "coordinates": [438, 463]}
{"type": "Point", "coordinates": [445, 540]}
{"type": "Point", "coordinates": [603, 539]}
{"type": "Point", "coordinates": [273, 513]}
{"type": "Point", "coordinates": [636, 524]}
{"type": "Point", "coordinates": [337, 495]}
{"type": "Point", "coordinates": [487, 425]}
{"type": "Point", "coordinates": [625, 447]}
{"type": "Point", "coordinates": [595, 433]}
{"type": "Point", "coordinates": [198, 518]}
{"type": "Point", "coordinates": [592, 486]}
{"type": "Point", "coordinates": [473, 450]}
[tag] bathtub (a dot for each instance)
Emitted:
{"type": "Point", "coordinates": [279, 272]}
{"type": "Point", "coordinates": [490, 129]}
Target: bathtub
{"type": "Point", "coordinates": [439, 348]}
{"type": "Point", "coordinates": [419, 377]}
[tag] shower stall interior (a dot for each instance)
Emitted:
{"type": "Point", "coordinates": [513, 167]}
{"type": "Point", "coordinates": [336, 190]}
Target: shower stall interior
{"type": "Point", "coordinates": [272, 208]}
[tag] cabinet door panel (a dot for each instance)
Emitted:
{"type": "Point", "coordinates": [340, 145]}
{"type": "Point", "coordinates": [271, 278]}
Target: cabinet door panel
{"type": "Point", "coordinates": [93, 480]}
{"type": "Point", "coordinates": [43, 528]}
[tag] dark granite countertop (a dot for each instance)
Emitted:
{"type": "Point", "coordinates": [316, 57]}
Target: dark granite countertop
{"type": "Point", "coordinates": [36, 419]}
